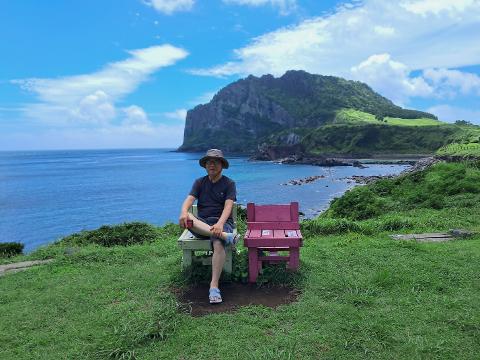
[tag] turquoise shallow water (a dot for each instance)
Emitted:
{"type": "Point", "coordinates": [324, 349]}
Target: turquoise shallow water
{"type": "Point", "coordinates": [45, 195]}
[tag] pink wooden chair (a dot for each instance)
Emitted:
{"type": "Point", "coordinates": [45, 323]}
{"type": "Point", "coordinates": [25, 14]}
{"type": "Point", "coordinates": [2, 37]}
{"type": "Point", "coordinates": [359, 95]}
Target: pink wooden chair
{"type": "Point", "coordinates": [272, 228]}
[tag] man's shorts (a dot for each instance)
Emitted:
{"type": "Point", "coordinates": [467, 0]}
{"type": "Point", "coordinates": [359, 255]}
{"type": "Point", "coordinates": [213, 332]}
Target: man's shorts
{"type": "Point", "coordinates": [227, 227]}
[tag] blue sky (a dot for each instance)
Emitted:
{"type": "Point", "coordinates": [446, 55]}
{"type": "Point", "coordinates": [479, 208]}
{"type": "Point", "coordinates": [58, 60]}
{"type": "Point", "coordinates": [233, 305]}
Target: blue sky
{"type": "Point", "coordinates": [122, 74]}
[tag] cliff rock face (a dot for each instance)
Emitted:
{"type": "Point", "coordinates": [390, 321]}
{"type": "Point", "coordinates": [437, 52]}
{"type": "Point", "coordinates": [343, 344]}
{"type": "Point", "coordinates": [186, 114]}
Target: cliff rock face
{"type": "Point", "coordinates": [235, 119]}
{"type": "Point", "coordinates": [243, 114]}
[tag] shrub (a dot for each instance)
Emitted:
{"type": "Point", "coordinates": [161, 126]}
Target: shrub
{"type": "Point", "coordinates": [358, 204]}
{"type": "Point", "coordinates": [11, 249]}
{"type": "Point", "coordinates": [123, 234]}
{"type": "Point", "coordinates": [444, 185]}
{"type": "Point", "coordinates": [383, 187]}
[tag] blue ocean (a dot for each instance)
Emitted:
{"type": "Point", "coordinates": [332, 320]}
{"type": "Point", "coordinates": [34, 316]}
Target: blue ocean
{"type": "Point", "coordinates": [45, 195]}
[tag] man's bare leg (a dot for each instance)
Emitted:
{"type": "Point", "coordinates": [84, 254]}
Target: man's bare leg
{"type": "Point", "coordinates": [202, 228]}
{"type": "Point", "coordinates": [219, 255]}
{"type": "Point", "coordinates": [218, 259]}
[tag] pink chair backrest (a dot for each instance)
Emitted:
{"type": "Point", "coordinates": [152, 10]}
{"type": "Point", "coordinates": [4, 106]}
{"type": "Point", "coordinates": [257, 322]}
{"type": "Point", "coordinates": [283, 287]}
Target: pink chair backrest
{"type": "Point", "coordinates": [273, 216]}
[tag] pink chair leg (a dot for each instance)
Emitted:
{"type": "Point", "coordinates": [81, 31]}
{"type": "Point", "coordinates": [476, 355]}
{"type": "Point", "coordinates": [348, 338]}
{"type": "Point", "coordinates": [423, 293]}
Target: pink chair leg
{"type": "Point", "coordinates": [252, 265]}
{"type": "Point", "coordinates": [294, 258]}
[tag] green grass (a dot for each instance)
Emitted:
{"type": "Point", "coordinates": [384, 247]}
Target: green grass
{"type": "Point", "coordinates": [460, 149]}
{"type": "Point", "coordinates": [356, 116]}
{"type": "Point", "coordinates": [363, 295]}
{"type": "Point", "coordinates": [465, 143]}
{"type": "Point", "coordinates": [365, 139]}
{"type": "Point", "coordinates": [412, 122]}
{"type": "Point", "coordinates": [442, 186]}
{"type": "Point", "coordinates": [351, 116]}
{"type": "Point", "coordinates": [362, 134]}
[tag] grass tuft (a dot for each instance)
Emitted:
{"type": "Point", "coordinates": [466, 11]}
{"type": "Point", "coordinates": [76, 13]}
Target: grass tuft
{"type": "Point", "coordinates": [123, 234]}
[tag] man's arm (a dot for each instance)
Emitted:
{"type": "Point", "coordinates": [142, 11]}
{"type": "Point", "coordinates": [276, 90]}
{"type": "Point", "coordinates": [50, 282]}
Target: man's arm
{"type": "Point", "coordinates": [187, 203]}
{"type": "Point", "coordinates": [217, 228]}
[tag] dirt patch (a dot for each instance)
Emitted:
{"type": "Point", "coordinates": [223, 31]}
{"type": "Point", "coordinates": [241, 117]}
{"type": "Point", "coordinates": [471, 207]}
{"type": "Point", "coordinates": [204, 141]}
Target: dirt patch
{"type": "Point", "coordinates": [21, 266]}
{"type": "Point", "coordinates": [195, 298]}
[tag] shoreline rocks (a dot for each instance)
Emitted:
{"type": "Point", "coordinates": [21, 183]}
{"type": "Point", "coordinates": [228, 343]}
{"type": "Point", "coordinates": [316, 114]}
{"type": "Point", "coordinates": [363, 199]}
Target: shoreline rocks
{"type": "Point", "coordinates": [316, 161]}
{"type": "Point", "coordinates": [306, 180]}
{"type": "Point", "coordinates": [419, 165]}
{"type": "Point", "coordinates": [298, 157]}
{"type": "Point", "coordinates": [360, 179]}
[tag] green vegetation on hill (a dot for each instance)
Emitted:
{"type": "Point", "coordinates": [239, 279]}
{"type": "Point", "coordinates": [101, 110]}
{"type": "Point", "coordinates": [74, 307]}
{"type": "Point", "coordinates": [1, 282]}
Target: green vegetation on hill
{"type": "Point", "coordinates": [315, 99]}
{"type": "Point", "coordinates": [362, 294]}
{"type": "Point", "coordinates": [466, 142]}
{"type": "Point", "coordinates": [456, 149]}
{"type": "Point", "coordinates": [370, 139]}
{"type": "Point", "coordinates": [445, 196]}
{"type": "Point", "coordinates": [443, 186]}
{"type": "Point", "coordinates": [354, 132]}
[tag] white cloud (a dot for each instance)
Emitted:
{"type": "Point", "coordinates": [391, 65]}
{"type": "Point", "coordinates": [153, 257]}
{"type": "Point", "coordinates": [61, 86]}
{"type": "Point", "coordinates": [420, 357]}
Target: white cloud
{"type": "Point", "coordinates": [390, 78]}
{"type": "Point", "coordinates": [96, 107]}
{"type": "Point", "coordinates": [285, 6]}
{"type": "Point", "coordinates": [170, 6]}
{"type": "Point", "coordinates": [116, 79]}
{"type": "Point", "coordinates": [135, 116]}
{"type": "Point", "coordinates": [179, 114]}
{"type": "Point", "coordinates": [90, 98]}
{"type": "Point", "coordinates": [413, 35]}
{"type": "Point", "coordinates": [450, 82]}
{"type": "Point", "coordinates": [81, 111]}
{"type": "Point", "coordinates": [384, 30]}
{"type": "Point", "coordinates": [424, 7]}
{"type": "Point", "coordinates": [452, 113]}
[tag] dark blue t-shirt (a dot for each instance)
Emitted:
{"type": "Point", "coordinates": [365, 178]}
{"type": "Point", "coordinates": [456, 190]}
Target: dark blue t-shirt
{"type": "Point", "coordinates": [212, 196]}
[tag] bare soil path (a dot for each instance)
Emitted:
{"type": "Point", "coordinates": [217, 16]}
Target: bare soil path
{"type": "Point", "coordinates": [234, 295]}
{"type": "Point", "coordinates": [20, 266]}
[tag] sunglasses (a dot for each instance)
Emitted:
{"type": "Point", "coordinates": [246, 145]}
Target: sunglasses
{"type": "Point", "coordinates": [213, 161]}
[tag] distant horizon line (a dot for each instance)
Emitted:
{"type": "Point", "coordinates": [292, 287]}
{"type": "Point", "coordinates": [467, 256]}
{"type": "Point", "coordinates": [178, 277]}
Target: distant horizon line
{"type": "Point", "coordinates": [92, 149]}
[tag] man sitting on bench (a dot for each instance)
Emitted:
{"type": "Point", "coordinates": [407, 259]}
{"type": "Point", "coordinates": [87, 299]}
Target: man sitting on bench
{"type": "Point", "coordinates": [215, 195]}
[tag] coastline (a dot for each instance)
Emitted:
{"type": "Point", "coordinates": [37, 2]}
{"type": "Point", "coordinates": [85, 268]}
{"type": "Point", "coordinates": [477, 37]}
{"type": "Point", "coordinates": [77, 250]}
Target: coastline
{"type": "Point", "coordinates": [360, 162]}
{"type": "Point", "coordinates": [326, 159]}
{"type": "Point", "coordinates": [136, 185]}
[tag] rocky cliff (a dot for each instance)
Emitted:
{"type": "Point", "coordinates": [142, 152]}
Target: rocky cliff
{"type": "Point", "coordinates": [243, 114]}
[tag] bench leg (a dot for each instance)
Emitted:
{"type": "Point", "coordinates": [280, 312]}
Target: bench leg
{"type": "Point", "coordinates": [227, 267]}
{"type": "Point", "coordinates": [294, 258]}
{"type": "Point", "coordinates": [252, 264]}
{"type": "Point", "coordinates": [187, 258]}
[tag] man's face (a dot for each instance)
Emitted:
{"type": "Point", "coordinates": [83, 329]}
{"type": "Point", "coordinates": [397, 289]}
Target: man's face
{"type": "Point", "coordinates": [213, 167]}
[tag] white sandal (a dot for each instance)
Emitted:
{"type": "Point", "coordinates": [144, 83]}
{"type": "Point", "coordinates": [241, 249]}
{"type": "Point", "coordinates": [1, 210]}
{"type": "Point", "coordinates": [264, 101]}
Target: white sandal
{"type": "Point", "coordinates": [214, 296]}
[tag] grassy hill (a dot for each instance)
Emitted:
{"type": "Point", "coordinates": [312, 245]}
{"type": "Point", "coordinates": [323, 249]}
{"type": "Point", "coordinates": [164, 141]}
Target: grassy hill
{"type": "Point", "coordinates": [358, 133]}
{"type": "Point", "coordinates": [465, 143]}
{"type": "Point", "coordinates": [363, 295]}
{"type": "Point", "coordinates": [242, 115]}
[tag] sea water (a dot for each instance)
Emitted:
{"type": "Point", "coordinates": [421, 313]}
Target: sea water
{"type": "Point", "coordinates": [45, 195]}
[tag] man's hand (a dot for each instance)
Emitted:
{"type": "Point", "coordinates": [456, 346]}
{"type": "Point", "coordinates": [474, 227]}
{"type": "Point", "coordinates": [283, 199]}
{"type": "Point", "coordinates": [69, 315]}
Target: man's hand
{"type": "Point", "coordinates": [217, 229]}
{"type": "Point", "coordinates": [182, 220]}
